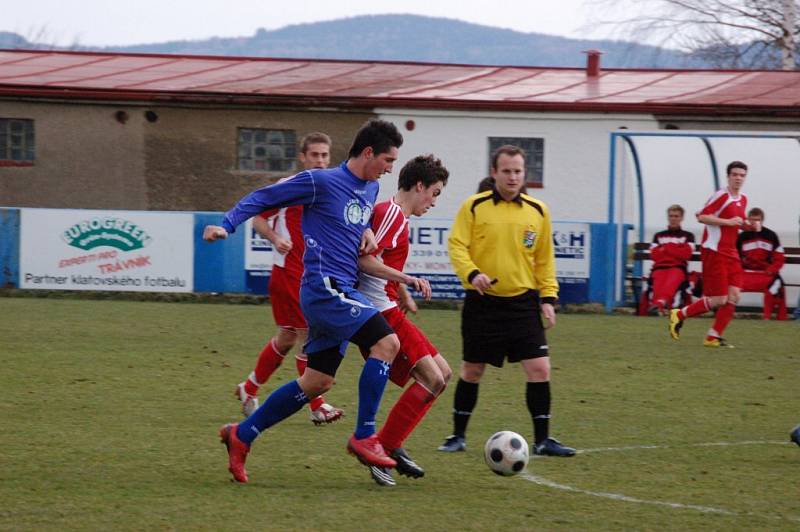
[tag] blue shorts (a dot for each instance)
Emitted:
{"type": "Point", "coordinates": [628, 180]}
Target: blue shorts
{"type": "Point", "coordinates": [334, 314]}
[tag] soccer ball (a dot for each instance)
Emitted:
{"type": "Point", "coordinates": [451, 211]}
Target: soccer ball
{"type": "Point", "coordinates": [506, 453]}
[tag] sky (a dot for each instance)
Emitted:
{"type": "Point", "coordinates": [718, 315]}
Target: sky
{"type": "Point", "coordinates": [115, 22]}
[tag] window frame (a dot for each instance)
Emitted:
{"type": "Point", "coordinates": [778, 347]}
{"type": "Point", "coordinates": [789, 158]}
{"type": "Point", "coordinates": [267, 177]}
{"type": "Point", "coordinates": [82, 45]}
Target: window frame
{"type": "Point", "coordinates": [28, 142]}
{"type": "Point", "coordinates": [288, 162]}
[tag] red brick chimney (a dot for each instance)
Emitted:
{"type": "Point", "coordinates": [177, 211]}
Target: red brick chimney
{"type": "Point", "coordinates": [593, 62]}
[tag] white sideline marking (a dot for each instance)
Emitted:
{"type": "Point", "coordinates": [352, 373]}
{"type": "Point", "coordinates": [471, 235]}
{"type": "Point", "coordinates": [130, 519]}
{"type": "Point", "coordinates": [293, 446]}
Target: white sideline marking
{"type": "Point", "coordinates": [536, 479]}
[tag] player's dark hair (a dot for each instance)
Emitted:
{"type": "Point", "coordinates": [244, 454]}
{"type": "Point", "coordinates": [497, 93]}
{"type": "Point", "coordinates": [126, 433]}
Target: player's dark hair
{"type": "Point", "coordinates": [423, 168]}
{"type": "Point", "coordinates": [735, 164]}
{"type": "Point", "coordinates": [314, 138]}
{"type": "Point", "coordinates": [487, 183]}
{"type": "Point", "coordinates": [755, 211]}
{"type": "Point", "coordinates": [380, 135]}
{"type": "Point", "coordinates": [507, 149]}
{"type": "Point", "coordinates": [675, 207]}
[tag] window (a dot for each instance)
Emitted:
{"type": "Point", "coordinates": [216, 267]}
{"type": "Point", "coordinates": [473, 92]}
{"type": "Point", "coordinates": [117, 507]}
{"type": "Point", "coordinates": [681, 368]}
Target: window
{"type": "Point", "coordinates": [16, 142]}
{"type": "Point", "coordinates": [268, 150]}
{"type": "Point", "coordinates": [534, 160]}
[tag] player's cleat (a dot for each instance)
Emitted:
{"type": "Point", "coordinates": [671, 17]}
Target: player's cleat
{"type": "Point", "coordinates": [382, 476]}
{"type": "Point", "coordinates": [369, 451]}
{"type": "Point", "coordinates": [326, 414]}
{"type": "Point", "coordinates": [405, 465]}
{"type": "Point", "coordinates": [552, 447]}
{"type": "Point", "coordinates": [717, 342]}
{"type": "Point", "coordinates": [795, 435]}
{"type": "Point", "coordinates": [249, 402]}
{"type": "Point", "coordinates": [675, 324]}
{"type": "Point", "coordinates": [237, 451]}
{"type": "Point", "coordinates": [454, 444]}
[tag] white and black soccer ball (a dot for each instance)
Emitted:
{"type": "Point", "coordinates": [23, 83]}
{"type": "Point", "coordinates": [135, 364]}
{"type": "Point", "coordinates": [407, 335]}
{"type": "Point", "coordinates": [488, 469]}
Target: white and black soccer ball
{"type": "Point", "coordinates": [506, 453]}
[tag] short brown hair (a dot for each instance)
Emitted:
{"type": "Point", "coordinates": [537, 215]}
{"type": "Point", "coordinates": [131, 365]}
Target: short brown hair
{"type": "Point", "coordinates": [314, 138]}
{"type": "Point", "coordinates": [675, 207]}
{"type": "Point", "coordinates": [735, 164]}
{"type": "Point", "coordinates": [755, 211]}
{"type": "Point", "coordinates": [507, 149]}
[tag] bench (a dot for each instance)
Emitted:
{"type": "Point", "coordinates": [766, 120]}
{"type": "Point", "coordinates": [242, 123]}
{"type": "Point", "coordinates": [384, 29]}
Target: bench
{"type": "Point", "coordinates": [641, 253]}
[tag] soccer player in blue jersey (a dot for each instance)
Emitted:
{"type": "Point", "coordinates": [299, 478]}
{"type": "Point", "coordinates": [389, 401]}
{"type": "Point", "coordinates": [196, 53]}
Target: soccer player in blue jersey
{"type": "Point", "coordinates": [337, 203]}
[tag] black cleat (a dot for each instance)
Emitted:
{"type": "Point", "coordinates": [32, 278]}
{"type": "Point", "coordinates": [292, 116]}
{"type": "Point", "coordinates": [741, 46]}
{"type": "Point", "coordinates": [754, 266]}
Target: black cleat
{"type": "Point", "coordinates": [795, 436]}
{"type": "Point", "coordinates": [454, 444]}
{"type": "Point", "coordinates": [381, 476]}
{"type": "Point", "coordinates": [552, 447]}
{"type": "Point", "coordinates": [405, 465]}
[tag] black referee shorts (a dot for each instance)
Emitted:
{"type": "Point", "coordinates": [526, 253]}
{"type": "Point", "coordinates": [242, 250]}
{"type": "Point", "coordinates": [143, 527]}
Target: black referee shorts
{"type": "Point", "coordinates": [495, 328]}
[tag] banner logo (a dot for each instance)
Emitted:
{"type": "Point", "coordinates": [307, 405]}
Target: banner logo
{"type": "Point", "coordinates": [114, 232]}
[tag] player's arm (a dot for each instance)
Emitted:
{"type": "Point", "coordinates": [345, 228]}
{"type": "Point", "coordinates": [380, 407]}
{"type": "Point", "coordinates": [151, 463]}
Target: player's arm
{"type": "Point", "coordinates": [545, 270]}
{"type": "Point", "coordinates": [372, 266]}
{"type": "Point", "coordinates": [263, 227]}
{"type": "Point", "coordinates": [298, 190]}
{"type": "Point", "coordinates": [777, 258]}
{"type": "Point", "coordinates": [368, 242]}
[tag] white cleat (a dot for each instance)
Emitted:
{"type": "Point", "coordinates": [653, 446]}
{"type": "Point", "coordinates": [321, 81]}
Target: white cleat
{"type": "Point", "coordinates": [326, 414]}
{"type": "Point", "coordinates": [249, 402]}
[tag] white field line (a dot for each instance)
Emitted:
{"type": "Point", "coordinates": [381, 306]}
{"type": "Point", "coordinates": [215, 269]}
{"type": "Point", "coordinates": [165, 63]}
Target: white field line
{"type": "Point", "coordinates": [536, 479]}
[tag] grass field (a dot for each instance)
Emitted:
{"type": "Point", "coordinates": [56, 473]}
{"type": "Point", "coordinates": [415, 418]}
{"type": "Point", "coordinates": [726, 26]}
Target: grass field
{"type": "Point", "coordinates": [110, 411]}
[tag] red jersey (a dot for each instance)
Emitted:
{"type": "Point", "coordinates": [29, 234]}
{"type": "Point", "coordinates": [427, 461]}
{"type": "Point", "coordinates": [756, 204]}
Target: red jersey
{"type": "Point", "coordinates": [722, 239]}
{"type": "Point", "coordinates": [761, 251]}
{"type": "Point", "coordinates": [287, 222]}
{"type": "Point", "coordinates": [671, 249]}
{"type": "Point", "coordinates": [390, 226]}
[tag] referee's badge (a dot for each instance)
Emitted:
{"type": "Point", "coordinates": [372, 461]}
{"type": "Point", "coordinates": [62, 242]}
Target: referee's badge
{"type": "Point", "coordinates": [529, 239]}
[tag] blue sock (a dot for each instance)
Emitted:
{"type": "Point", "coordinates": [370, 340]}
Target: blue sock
{"type": "Point", "coordinates": [370, 391]}
{"type": "Point", "coordinates": [280, 404]}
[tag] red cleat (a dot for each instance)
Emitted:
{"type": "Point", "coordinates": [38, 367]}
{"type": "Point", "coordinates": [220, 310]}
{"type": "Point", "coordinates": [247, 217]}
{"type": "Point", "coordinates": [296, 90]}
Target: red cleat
{"type": "Point", "coordinates": [237, 451]}
{"type": "Point", "coordinates": [369, 451]}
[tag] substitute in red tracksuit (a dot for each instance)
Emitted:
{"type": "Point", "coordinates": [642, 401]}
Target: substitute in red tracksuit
{"type": "Point", "coordinates": [762, 260]}
{"type": "Point", "coordinates": [670, 252]}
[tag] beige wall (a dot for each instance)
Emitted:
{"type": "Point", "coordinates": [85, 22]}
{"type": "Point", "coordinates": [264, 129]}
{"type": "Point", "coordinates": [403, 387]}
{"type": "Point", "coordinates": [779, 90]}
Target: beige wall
{"type": "Point", "coordinates": [85, 158]}
{"type": "Point", "coordinates": [185, 160]}
{"type": "Point", "coordinates": [191, 153]}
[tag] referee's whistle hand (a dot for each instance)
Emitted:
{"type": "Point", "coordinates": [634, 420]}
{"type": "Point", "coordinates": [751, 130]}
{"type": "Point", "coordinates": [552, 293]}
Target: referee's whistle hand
{"type": "Point", "coordinates": [481, 282]}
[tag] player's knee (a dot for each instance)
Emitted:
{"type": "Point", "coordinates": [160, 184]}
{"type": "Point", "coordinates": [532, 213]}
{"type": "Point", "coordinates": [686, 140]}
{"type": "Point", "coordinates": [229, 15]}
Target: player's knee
{"type": "Point", "coordinates": [386, 348]}
{"type": "Point", "coordinates": [314, 383]}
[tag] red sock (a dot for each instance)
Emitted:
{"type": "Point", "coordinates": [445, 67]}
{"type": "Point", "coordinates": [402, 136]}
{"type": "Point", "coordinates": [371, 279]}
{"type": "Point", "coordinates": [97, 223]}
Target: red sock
{"type": "Point", "coordinates": [405, 416]}
{"type": "Point", "coordinates": [695, 309]}
{"type": "Point", "coordinates": [268, 361]}
{"type": "Point", "coordinates": [301, 364]}
{"type": "Point", "coordinates": [769, 304]}
{"type": "Point", "coordinates": [780, 302]}
{"type": "Point", "coordinates": [723, 317]}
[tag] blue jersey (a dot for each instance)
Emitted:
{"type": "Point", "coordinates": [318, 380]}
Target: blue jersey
{"type": "Point", "coordinates": [337, 207]}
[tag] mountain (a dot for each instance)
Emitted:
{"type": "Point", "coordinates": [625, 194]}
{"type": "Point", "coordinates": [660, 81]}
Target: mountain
{"type": "Point", "coordinates": [419, 38]}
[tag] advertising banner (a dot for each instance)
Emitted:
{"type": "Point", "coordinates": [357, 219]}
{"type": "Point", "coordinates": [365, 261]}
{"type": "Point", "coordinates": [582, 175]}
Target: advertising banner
{"type": "Point", "coordinates": [128, 251]}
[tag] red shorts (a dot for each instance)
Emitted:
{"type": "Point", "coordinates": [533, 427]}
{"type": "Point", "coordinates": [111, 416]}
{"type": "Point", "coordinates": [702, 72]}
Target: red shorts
{"type": "Point", "coordinates": [284, 294]}
{"type": "Point", "coordinates": [414, 345]}
{"type": "Point", "coordinates": [720, 272]}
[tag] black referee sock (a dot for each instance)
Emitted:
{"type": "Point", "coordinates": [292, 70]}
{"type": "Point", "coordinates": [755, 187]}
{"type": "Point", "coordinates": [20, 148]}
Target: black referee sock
{"type": "Point", "coordinates": [537, 395]}
{"type": "Point", "coordinates": [464, 403]}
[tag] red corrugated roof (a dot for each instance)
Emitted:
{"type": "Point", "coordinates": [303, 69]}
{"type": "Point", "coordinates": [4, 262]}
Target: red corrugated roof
{"type": "Point", "coordinates": [373, 83]}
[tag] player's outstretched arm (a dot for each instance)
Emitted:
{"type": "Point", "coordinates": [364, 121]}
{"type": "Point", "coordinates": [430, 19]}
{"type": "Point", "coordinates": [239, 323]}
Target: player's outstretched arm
{"type": "Point", "coordinates": [372, 266]}
{"type": "Point", "coordinates": [214, 232]}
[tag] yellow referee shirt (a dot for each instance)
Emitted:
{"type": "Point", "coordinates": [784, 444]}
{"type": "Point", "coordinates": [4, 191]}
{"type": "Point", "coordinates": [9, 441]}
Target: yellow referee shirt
{"type": "Point", "coordinates": [511, 241]}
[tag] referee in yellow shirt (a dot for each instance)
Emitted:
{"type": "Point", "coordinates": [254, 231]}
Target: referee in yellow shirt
{"type": "Point", "coordinates": [501, 247]}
